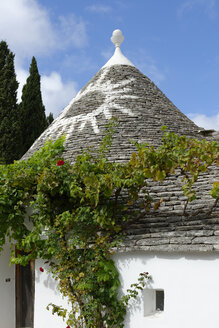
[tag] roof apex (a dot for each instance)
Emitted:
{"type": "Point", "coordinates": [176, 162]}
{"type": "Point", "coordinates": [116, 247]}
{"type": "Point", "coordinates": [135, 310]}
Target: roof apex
{"type": "Point", "coordinates": [118, 58]}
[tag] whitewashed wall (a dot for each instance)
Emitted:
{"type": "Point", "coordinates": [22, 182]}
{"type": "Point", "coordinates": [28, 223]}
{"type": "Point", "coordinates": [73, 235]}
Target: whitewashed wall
{"type": "Point", "coordinates": [7, 290]}
{"type": "Point", "coordinates": [190, 283]}
{"type": "Point", "coordinates": [46, 292]}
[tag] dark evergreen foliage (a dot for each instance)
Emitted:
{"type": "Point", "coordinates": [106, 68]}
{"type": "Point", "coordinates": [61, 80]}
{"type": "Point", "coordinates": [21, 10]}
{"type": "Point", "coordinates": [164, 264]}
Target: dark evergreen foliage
{"type": "Point", "coordinates": [32, 110]}
{"type": "Point", "coordinates": [10, 135]}
{"type": "Point", "coordinates": [49, 119]}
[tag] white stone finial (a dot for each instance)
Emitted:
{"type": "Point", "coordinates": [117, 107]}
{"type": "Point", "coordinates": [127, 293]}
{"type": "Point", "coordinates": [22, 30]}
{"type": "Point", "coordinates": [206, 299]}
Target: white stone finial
{"type": "Point", "coordinates": [117, 38]}
{"type": "Point", "coordinates": [118, 58]}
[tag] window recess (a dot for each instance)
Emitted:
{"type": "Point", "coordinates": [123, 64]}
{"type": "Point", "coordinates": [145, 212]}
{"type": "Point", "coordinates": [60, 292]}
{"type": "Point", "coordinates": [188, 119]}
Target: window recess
{"type": "Point", "coordinates": [153, 301]}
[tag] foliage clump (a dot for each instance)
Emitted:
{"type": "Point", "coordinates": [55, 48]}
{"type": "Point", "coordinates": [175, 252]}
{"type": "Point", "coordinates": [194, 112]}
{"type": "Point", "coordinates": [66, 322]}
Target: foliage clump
{"type": "Point", "coordinates": [10, 134]}
{"type": "Point", "coordinates": [20, 124]}
{"type": "Point", "coordinates": [32, 110]}
{"type": "Point", "coordinates": [79, 211]}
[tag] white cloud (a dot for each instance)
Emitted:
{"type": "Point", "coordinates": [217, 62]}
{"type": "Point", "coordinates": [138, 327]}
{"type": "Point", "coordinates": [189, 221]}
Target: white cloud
{"type": "Point", "coordinates": [206, 122]}
{"type": "Point", "coordinates": [72, 31]}
{"type": "Point", "coordinates": [22, 76]}
{"type": "Point", "coordinates": [107, 53]}
{"type": "Point", "coordinates": [208, 6]}
{"type": "Point", "coordinates": [98, 8]}
{"type": "Point", "coordinates": [56, 94]}
{"type": "Point", "coordinates": [27, 28]}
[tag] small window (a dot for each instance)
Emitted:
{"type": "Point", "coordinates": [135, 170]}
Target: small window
{"type": "Point", "coordinates": [159, 300]}
{"type": "Point", "coordinates": [153, 301]}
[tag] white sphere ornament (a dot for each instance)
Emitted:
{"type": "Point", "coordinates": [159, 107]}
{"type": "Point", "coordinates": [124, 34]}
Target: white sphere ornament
{"type": "Point", "coordinates": [117, 38]}
{"type": "Point", "coordinates": [118, 58]}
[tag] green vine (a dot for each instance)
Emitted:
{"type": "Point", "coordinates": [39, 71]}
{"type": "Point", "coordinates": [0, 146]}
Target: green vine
{"type": "Point", "coordinates": [79, 210]}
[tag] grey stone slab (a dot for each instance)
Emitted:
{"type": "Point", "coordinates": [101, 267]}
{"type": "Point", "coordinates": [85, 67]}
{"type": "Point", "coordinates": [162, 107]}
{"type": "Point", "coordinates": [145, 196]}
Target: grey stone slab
{"type": "Point", "coordinates": [206, 240]}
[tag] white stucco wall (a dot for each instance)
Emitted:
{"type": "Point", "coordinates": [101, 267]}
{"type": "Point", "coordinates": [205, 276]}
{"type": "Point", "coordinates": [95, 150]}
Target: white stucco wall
{"type": "Point", "coordinates": [7, 290]}
{"type": "Point", "coordinates": [46, 292]}
{"type": "Point", "coordinates": [190, 283]}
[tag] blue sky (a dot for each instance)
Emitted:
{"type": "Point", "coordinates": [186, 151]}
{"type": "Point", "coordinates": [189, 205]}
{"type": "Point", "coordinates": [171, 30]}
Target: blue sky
{"type": "Point", "coordinates": [174, 42]}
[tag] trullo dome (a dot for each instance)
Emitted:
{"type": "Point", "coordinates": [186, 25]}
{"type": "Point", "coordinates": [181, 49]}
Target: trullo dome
{"type": "Point", "coordinates": [118, 89]}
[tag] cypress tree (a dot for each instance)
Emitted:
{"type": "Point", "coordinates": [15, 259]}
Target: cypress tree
{"type": "Point", "coordinates": [49, 119]}
{"type": "Point", "coordinates": [32, 110]}
{"type": "Point", "coordinates": [10, 134]}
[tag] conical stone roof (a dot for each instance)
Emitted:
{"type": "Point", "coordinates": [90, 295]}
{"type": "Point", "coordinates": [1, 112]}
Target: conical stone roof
{"type": "Point", "coordinates": [120, 90]}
